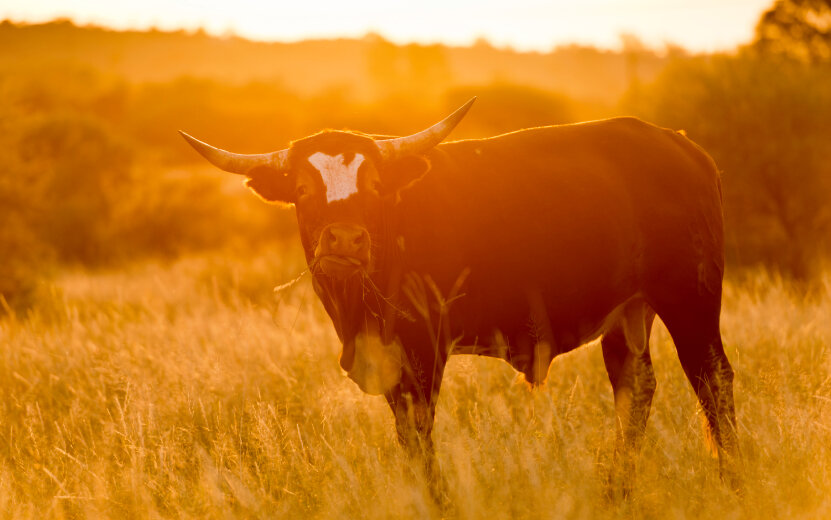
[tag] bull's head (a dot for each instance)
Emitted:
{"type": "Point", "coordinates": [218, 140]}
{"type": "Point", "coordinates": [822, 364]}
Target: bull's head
{"type": "Point", "coordinates": [338, 182]}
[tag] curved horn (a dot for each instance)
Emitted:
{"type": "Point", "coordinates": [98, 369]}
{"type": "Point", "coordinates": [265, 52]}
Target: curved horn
{"type": "Point", "coordinates": [424, 140]}
{"type": "Point", "coordinates": [237, 162]}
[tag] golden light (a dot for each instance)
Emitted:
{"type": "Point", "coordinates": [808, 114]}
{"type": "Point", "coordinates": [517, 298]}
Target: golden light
{"type": "Point", "coordinates": [522, 24]}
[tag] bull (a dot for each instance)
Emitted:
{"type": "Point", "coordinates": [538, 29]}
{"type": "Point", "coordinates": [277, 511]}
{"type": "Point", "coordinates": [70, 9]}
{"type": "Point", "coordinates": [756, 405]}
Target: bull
{"type": "Point", "coordinates": [521, 246]}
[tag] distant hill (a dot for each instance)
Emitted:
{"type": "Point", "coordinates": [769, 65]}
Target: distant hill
{"type": "Point", "coordinates": [366, 68]}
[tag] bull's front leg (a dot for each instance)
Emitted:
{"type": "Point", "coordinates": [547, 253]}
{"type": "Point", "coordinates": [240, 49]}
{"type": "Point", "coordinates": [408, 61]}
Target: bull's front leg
{"type": "Point", "coordinates": [414, 426]}
{"type": "Point", "coordinates": [413, 403]}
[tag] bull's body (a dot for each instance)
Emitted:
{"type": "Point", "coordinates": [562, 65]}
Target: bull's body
{"type": "Point", "coordinates": [580, 218]}
{"type": "Point", "coordinates": [522, 246]}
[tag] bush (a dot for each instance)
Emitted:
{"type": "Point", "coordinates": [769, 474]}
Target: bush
{"type": "Point", "coordinates": [75, 190]}
{"type": "Point", "coordinates": [23, 254]}
{"type": "Point", "coordinates": [83, 170]}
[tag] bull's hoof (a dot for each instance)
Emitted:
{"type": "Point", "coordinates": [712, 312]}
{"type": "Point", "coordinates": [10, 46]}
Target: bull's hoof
{"type": "Point", "coordinates": [732, 478]}
{"type": "Point", "coordinates": [617, 488]}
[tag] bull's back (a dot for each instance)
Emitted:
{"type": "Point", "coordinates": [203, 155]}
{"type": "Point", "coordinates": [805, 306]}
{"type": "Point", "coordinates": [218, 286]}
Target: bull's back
{"type": "Point", "coordinates": [586, 214]}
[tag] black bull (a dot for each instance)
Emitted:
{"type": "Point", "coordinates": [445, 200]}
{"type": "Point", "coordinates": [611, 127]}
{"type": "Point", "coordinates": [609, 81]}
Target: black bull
{"type": "Point", "coordinates": [521, 246]}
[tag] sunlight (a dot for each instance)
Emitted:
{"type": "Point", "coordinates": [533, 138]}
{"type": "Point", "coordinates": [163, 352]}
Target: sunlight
{"type": "Point", "coordinates": [524, 24]}
{"type": "Point", "coordinates": [174, 347]}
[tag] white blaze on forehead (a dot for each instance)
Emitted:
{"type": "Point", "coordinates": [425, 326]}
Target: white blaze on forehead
{"type": "Point", "coordinates": [340, 179]}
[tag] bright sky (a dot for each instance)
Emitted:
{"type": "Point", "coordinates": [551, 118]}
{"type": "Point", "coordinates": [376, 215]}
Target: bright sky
{"type": "Point", "coordinates": [701, 25]}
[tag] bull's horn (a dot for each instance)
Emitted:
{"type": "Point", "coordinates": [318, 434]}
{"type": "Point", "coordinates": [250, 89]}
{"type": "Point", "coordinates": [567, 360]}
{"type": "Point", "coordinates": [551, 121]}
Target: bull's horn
{"type": "Point", "coordinates": [424, 140]}
{"type": "Point", "coordinates": [238, 162]}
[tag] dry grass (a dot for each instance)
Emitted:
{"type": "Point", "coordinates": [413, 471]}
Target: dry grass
{"type": "Point", "coordinates": [189, 391]}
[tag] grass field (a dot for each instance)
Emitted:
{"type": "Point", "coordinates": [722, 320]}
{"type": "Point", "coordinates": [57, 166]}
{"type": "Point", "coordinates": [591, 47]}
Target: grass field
{"type": "Point", "coordinates": [190, 391]}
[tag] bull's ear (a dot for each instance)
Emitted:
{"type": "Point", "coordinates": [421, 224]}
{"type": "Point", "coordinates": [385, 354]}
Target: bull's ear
{"type": "Point", "coordinates": [270, 184]}
{"type": "Point", "coordinates": [398, 174]}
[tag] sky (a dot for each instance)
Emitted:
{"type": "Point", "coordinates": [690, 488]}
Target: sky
{"type": "Point", "coordinates": [699, 25]}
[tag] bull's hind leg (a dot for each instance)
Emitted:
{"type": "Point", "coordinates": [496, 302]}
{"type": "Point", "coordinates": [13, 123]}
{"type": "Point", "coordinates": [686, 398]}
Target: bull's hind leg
{"type": "Point", "coordinates": [626, 355]}
{"type": "Point", "coordinates": [694, 327]}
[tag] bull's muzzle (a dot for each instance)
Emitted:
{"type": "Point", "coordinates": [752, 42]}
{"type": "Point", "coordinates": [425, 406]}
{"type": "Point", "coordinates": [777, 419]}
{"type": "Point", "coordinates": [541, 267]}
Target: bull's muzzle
{"type": "Point", "coordinates": [343, 249]}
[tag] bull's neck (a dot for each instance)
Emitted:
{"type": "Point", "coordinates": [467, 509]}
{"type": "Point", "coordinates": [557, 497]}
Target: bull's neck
{"type": "Point", "coordinates": [388, 271]}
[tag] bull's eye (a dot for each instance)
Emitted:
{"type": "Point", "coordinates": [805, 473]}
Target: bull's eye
{"type": "Point", "coordinates": [376, 185]}
{"type": "Point", "coordinates": [301, 191]}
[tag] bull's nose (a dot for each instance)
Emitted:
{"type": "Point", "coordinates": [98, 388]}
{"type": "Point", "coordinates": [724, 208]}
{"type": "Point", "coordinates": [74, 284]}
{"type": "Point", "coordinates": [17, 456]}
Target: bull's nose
{"type": "Point", "coordinates": [345, 239]}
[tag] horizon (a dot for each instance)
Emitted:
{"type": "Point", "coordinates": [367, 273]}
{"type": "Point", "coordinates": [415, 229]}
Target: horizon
{"type": "Point", "coordinates": [534, 26]}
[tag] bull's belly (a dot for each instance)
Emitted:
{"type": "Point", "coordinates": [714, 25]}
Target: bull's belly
{"type": "Point", "coordinates": [531, 346]}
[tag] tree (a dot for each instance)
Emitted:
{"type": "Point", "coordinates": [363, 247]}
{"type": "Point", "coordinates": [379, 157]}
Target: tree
{"type": "Point", "coordinates": [797, 29]}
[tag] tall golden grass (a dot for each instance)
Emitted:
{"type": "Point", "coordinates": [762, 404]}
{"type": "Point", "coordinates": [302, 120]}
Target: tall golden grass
{"type": "Point", "coordinates": [189, 390]}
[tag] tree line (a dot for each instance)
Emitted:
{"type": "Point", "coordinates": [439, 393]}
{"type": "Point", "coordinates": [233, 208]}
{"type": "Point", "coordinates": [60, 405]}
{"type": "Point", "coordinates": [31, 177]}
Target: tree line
{"type": "Point", "coordinates": [92, 171]}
